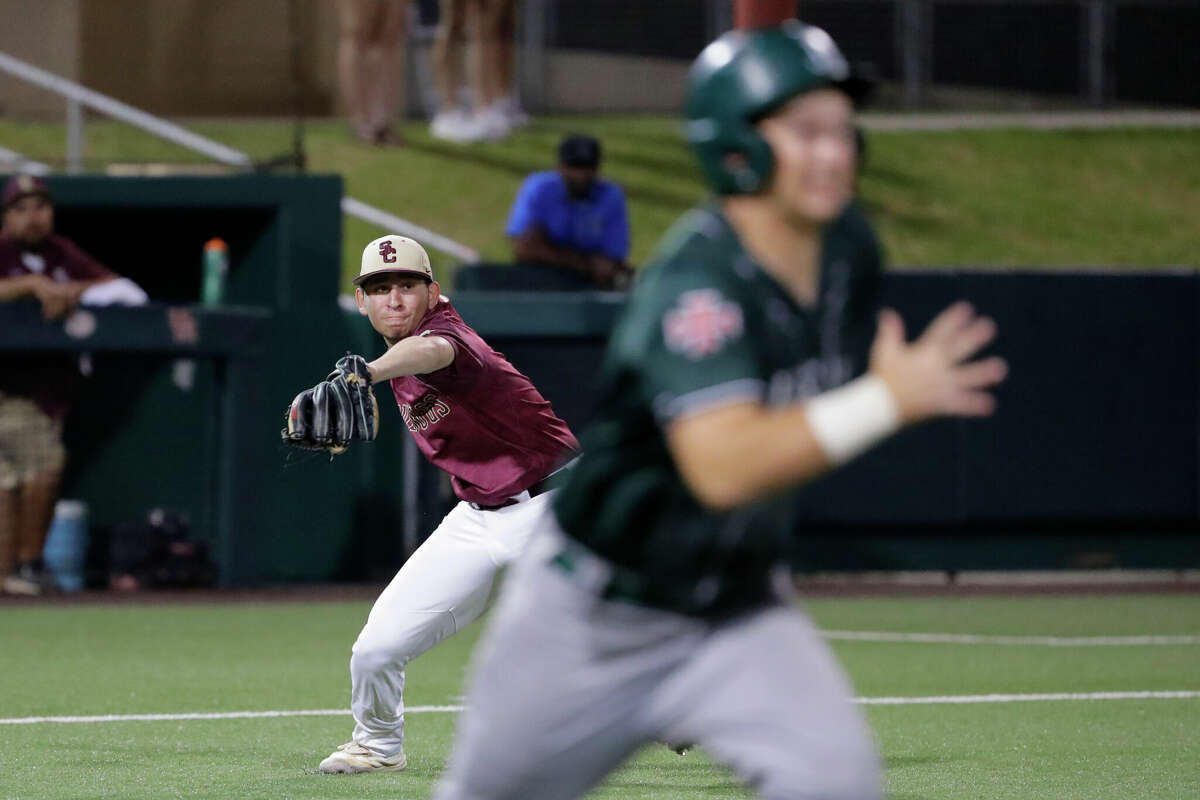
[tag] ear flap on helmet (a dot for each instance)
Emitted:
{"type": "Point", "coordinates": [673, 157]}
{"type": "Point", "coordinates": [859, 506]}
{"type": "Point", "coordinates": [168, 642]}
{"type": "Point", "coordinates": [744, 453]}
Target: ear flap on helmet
{"type": "Point", "coordinates": [755, 172]}
{"type": "Point", "coordinates": [715, 141]}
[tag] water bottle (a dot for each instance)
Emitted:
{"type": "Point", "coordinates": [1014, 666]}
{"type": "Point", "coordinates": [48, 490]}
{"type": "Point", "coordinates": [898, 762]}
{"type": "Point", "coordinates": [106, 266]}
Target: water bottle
{"type": "Point", "coordinates": [66, 545]}
{"type": "Point", "coordinates": [216, 268]}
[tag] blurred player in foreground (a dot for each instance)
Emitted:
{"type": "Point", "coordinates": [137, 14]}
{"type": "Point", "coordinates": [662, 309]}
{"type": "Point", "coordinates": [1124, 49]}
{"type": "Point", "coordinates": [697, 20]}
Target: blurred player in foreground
{"type": "Point", "coordinates": [658, 608]}
{"type": "Point", "coordinates": [473, 415]}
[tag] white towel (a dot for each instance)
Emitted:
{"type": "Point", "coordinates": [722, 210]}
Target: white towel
{"type": "Point", "coordinates": [118, 292]}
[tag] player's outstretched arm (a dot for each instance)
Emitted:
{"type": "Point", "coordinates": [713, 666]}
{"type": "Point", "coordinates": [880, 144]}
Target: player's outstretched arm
{"type": "Point", "coordinates": [733, 455]}
{"type": "Point", "coordinates": [416, 355]}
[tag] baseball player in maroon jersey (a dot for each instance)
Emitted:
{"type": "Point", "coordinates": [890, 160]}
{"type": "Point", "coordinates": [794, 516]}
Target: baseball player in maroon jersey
{"type": "Point", "coordinates": [483, 422]}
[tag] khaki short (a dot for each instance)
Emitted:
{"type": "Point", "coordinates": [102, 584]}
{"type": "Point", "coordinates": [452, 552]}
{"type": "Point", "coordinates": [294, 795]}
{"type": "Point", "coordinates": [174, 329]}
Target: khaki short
{"type": "Point", "coordinates": [30, 442]}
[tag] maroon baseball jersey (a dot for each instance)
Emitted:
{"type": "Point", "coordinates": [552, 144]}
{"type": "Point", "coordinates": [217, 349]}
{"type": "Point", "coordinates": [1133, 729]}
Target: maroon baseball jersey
{"type": "Point", "coordinates": [479, 419]}
{"type": "Point", "coordinates": [58, 258]}
{"type": "Point", "coordinates": [50, 381]}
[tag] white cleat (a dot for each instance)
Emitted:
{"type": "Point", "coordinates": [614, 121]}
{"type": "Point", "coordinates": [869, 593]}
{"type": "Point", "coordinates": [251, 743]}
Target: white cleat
{"type": "Point", "coordinates": [680, 748]}
{"type": "Point", "coordinates": [451, 126]}
{"type": "Point", "coordinates": [352, 758]}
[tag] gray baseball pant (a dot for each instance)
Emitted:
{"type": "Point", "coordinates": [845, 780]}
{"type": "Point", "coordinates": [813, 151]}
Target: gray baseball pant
{"type": "Point", "coordinates": [567, 685]}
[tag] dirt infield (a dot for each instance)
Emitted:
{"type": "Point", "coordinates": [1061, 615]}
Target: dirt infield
{"type": "Point", "coordinates": [316, 593]}
{"type": "Point", "coordinates": [901, 584]}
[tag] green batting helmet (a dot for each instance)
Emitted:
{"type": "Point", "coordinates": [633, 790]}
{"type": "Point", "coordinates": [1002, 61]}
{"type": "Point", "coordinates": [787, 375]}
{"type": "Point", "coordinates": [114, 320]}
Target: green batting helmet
{"type": "Point", "coordinates": [743, 76]}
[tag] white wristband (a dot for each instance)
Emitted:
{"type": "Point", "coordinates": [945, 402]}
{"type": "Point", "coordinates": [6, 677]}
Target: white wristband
{"type": "Point", "coordinates": [852, 418]}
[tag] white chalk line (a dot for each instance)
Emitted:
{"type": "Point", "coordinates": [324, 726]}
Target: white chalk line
{"type": "Point", "coordinates": [316, 712]}
{"type": "Point", "coordinates": [1025, 698]}
{"type": "Point", "coordinates": [1048, 641]}
{"type": "Point", "coordinates": [866, 701]}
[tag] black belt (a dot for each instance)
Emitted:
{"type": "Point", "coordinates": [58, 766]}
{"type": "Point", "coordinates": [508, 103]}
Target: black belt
{"type": "Point", "coordinates": [541, 487]}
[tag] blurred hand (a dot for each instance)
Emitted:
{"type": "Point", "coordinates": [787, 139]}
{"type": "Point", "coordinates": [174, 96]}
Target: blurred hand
{"type": "Point", "coordinates": [623, 278]}
{"type": "Point", "coordinates": [934, 375]}
{"type": "Point", "coordinates": [603, 271]}
{"type": "Point", "coordinates": [609, 274]}
{"type": "Point", "coordinates": [56, 298]}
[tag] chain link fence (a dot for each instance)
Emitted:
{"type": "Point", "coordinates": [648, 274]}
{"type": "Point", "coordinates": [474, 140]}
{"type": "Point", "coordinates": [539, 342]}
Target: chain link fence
{"type": "Point", "coordinates": [1095, 53]}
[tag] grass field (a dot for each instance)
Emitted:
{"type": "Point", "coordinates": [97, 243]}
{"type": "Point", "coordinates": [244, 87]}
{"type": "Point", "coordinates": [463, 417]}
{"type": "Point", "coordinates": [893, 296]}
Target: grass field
{"type": "Point", "coordinates": [1117, 197]}
{"type": "Point", "coordinates": [171, 659]}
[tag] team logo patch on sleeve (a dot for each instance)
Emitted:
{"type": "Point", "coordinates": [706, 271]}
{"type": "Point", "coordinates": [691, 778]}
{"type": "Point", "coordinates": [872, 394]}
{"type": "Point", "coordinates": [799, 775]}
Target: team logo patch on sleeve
{"type": "Point", "coordinates": [701, 322]}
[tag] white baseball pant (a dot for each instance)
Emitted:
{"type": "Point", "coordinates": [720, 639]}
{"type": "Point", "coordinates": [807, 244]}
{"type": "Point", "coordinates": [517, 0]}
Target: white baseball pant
{"type": "Point", "coordinates": [440, 589]}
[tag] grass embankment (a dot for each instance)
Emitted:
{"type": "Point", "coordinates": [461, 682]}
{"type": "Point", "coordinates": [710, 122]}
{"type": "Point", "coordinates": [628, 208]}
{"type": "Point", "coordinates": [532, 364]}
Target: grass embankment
{"type": "Point", "coordinates": [1120, 197]}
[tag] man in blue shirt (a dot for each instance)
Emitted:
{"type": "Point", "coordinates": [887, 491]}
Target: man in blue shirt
{"type": "Point", "coordinates": [570, 219]}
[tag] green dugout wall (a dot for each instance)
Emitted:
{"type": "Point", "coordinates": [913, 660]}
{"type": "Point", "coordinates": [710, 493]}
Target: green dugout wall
{"type": "Point", "coordinates": [1092, 461]}
{"type": "Point", "coordinates": [142, 436]}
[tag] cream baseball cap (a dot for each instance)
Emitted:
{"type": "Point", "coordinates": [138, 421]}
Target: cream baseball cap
{"type": "Point", "coordinates": [394, 253]}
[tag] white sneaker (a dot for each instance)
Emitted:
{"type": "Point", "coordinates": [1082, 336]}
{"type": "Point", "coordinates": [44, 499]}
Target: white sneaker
{"type": "Point", "coordinates": [453, 126]}
{"type": "Point", "coordinates": [352, 758]}
{"type": "Point", "coordinates": [15, 584]}
{"type": "Point", "coordinates": [490, 125]}
{"type": "Point", "coordinates": [29, 580]}
{"type": "Point", "coordinates": [512, 111]}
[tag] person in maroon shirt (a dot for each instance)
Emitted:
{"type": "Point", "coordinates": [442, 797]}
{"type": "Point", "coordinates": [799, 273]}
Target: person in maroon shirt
{"type": "Point", "coordinates": [35, 392]}
{"type": "Point", "coordinates": [476, 417]}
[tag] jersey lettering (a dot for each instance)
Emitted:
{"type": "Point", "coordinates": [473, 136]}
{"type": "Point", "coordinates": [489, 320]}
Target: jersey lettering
{"type": "Point", "coordinates": [701, 322]}
{"type": "Point", "coordinates": [426, 411]}
{"type": "Point", "coordinates": [808, 379]}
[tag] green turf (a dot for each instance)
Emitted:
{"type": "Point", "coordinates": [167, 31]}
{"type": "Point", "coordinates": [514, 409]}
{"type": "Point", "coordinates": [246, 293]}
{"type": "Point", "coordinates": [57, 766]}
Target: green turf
{"type": "Point", "coordinates": [1068, 615]}
{"type": "Point", "coordinates": [129, 659]}
{"type": "Point", "coordinates": [1055, 751]}
{"type": "Point", "coordinates": [1002, 197]}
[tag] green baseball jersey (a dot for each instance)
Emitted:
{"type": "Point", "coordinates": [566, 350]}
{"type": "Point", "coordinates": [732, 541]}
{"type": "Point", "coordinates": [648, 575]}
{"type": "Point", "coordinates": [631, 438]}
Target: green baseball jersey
{"type": "Point", "coordinates": [707, 327]}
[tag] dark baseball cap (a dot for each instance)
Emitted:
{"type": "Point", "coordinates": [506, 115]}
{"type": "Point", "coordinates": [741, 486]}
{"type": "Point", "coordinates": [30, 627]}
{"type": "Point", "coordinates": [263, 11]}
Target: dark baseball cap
{"type": "Point", "coordinates": [19, 186]}
{"type": "Point", "coordinates": [579, 150]}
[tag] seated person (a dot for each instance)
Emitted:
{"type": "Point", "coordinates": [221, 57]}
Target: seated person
{"type": "Point", "coordinates": [36, 392]}
{"type": "Point", "coordinates": [572, 220]}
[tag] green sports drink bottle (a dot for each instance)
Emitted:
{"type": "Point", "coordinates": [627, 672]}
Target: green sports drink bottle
{"type": "Point", "coordinates": [216, 268]}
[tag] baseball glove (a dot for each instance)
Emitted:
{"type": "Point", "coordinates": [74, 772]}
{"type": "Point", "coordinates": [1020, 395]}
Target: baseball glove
{"type": "Point", "coordinates": [336, 411]}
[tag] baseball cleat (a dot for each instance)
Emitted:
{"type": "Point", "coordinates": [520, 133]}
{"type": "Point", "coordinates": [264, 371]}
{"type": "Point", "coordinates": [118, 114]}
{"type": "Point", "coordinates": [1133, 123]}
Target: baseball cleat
{"type": "Point", "coordinates": [352, 758]}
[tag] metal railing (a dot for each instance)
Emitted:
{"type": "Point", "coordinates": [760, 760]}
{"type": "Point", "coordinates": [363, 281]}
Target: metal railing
{"type": "Point", "coordinates": [80, 97]}
{"type": "Point", "coordinates": [394, 224]}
